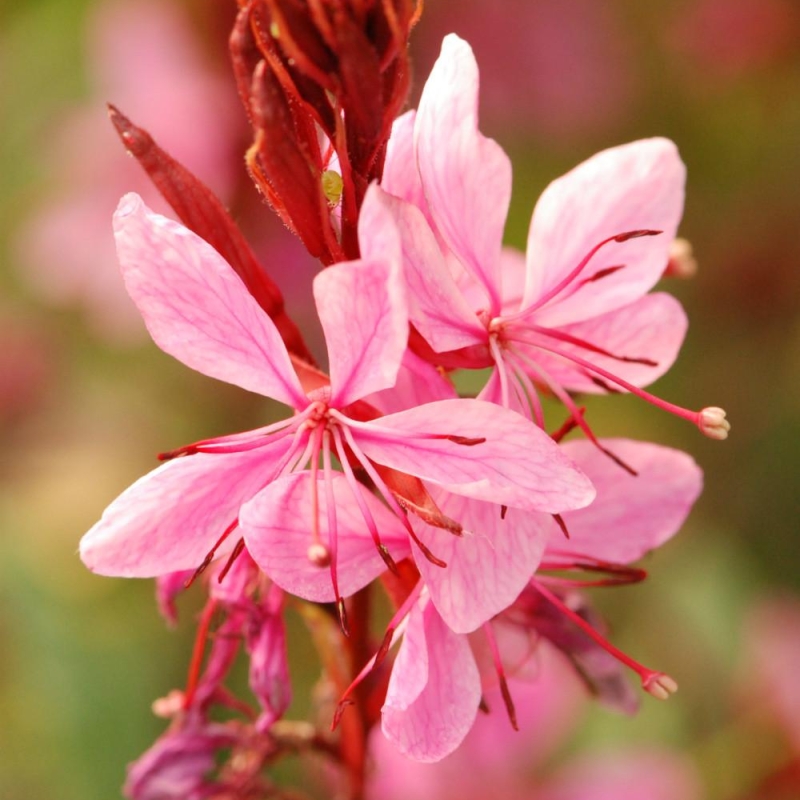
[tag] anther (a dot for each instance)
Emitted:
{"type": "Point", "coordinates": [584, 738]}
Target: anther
{"type": "Point", "coordinates": [660, 685]}
{"type": "Point", "coordinates": [682, 263]}
{"type": "Point", "coordinates": [319, 555]}
{"type": "Point", "coordinates": [713, 424]}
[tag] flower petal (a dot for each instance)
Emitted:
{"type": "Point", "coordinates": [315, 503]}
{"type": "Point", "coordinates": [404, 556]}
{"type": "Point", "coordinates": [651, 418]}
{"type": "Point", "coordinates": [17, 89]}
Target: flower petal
{"type": "Point", "coordinates": [638, 186]}
{"type": "Point", "coordinates": [362, 308]}
{"type": "Point", "coordinates": [632, 514]}
{"type": "Point", "coordinates": [466, 176]}
{"type": "Point", "coordinates": [487, 567]}
{"type": "Point", "coordinates": [434, 691]}
{"type": "Point", "coordinates": [277, 525]}
{"type": "Point", "coordinates": [652, 327]}
{"type": "Point", "coordinates": [515, 463]}
{"type": "Point", "coordinates": [196, 307]}
{"type": "Point", "coordinates": [171, 518]}
{"type": "Point", "coordinates": [437, 306]}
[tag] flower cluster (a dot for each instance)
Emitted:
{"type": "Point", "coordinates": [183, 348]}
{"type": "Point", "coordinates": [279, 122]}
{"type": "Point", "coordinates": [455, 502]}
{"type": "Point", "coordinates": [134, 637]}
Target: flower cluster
{"type": "Point", "coordinates": [480, 525]}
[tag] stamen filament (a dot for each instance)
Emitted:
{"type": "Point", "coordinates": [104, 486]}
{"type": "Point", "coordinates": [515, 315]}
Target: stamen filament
{"type": "Point", "coordinates": [577, 414]}
{"type": "Point", "coordinates": [356, 490]}
{"type": "Point", "coordinates": [501, 370]}
{"type": "Point", "coordinates": [501, 675]}
{"type": "Point", "coordinates": [658, 684]}
{"type": "Point", "coordinates": [388, 496]}
{"type": "Point", "coordinates": [333, 527]}
{"type": "Point", "coordinates": [567, 280]}
{"type": "Point", "coordinates": [395, 627]}
{"type": "Point", "coordinates": [678, 411]}
{"type": "Point", "coordinates": [574, 340]}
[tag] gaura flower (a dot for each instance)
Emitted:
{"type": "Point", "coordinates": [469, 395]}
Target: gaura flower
{"type": "Point", "coordinates": [573, 313]}
{"type": "Point", "coordinates": [435, 685]}
{"type": "Point", "coordinates": [183, 514]}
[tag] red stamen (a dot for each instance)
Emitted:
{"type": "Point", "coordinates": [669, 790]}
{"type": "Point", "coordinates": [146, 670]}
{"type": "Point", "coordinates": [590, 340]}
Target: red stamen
{"type": "Point", "coordinates": [567, 280]}
{"type": "Point", "coordinates": [569, 425]}
{"type": "Point", "coordinates": [237, 551]}
{"type": "Point", "coordinates": [387, 495]}
{"type": "Point", "coordinates": [561, 524]}
{"type": "Point", "coordinates": [656, 683]}
{"type": "Point", "coordinates": [574, 340]}
{"type": "Point", "coordinates": [501, 675]}
{"type": "Point", "coordinates": [210, 555]}
{"type": "Point", "coordinates": [577, 414]}
{"type": "Point", "coordinates": [196, 663]}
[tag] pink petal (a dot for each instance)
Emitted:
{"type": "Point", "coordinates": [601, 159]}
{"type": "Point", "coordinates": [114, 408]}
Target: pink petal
{"type": "Point", "coordinates": [487, 567]}
{"type": "Point", "coordinates": [466, 177]}
{"type": "Point", "coordinates": [772, 652]}
{"type": "Point", "coordinates": [277, 526]}
{"type": "Point", "coordinates": [437, 307]}
{"type": "Point", "coordinates": [400, 173]}
{"type": "Point", "coordinates": [633, 187]}
{"type": "Point", "coordinates": [652, 327]}
{"type": "Point", "coordinates": [196, 307]}
{"type": "Point", "coordinates": [418, 382]}
{"type": "Point", "coordinates": [517, 465]}
{"type": "Point", "coordinates": [171, 518]}
{"type": "Point", "coordinates": [632, 514]}
{"type": "Point", "coordinates": [362, 308]}
{"type": "Point", "coordinates": [434, 691]}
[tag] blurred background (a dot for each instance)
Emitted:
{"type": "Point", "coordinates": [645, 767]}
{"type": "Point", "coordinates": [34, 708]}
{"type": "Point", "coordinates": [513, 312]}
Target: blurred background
{"type": "Point", "coordinates": [86, 400]}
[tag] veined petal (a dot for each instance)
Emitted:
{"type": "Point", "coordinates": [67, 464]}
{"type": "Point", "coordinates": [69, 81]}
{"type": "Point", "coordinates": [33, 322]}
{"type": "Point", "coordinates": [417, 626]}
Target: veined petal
{"type": "Point", "coordinates": [437, 307]}
{"type": "Point", "coordinates": [516, 464]}
{"type": "Point", "coordinates": [466, 176]}
{"type": "Point", "coordinates": [277, 525]}
{"type": "Point", "coordinates": [196, 307]}
{"type": "Point", "coordinates": [652, 327]}
{"type": "Point", "coordinates": [400, 173]}
{"type": "Point", "coordinates": [434, 691]}
{"type": "Point", "coordinates": [171, 518]}
{"type": "Point", "coordinates": [632, 514]}
{"type": "Point", "coordinates": [487, 566]}
{"type": "Point", "coordinates": [638, 186]}
{"type": "Point", "coordinates": [363, 310]}
{"type": "Point", "coordinates": [418, 382]}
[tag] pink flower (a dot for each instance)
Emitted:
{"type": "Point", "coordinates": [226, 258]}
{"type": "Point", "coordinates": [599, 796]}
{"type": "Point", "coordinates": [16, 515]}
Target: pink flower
{"type": "Point", "coordinates": [495, 760]}
{"type": "Point", "coordinates": [435, 685]}
{"type": "Point", "coordinates": [144, 56]}
{"type": "Point", "coordinates": [182, 514]}
{"type": "Point", "coordinates": [573, 315]}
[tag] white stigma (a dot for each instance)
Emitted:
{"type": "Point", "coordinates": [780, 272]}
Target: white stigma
{"type": "Point", "coordinates": [318, 555]}
{"type": "Point", "coordinates": [661, 686]}
{"type": "Point", "coordinates": [713, 424]}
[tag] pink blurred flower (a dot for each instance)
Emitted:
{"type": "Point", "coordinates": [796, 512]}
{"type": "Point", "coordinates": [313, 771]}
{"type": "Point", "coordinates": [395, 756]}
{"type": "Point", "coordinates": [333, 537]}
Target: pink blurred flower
{"type": "Point", "coordinates": [560, 68]}
{"type": "Point", "coordinates": [772, 645]}
{"type": "Point", "coordinates": [724, 39]}
{"type": "Point", "coordinates": [145, 58]}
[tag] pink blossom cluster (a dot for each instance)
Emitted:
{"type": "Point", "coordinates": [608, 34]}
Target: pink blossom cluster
{"type": "Point", "coordinates": [480, 524]}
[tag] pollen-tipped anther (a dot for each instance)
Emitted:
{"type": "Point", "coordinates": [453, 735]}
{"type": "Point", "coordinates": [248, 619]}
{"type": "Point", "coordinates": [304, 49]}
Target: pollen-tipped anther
{"type": "Point", "coordinates": [660, 685]}
{"type": "Point", "coordinates": [682, 263]}
{"type": "Point", "coordinates": [713, 424]}
{"type": "Point", "coordinates": [319, 555]}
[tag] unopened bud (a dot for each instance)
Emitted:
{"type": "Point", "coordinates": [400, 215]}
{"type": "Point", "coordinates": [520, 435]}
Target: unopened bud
{"type": "Point", "coordinates": [660, 686]}
{"type": "Point", "coordinates": [682, 263]}
{"type": "Point", "coordinates": [319, 555]}
{"type": "Point", "coordinates": [713, 424]}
